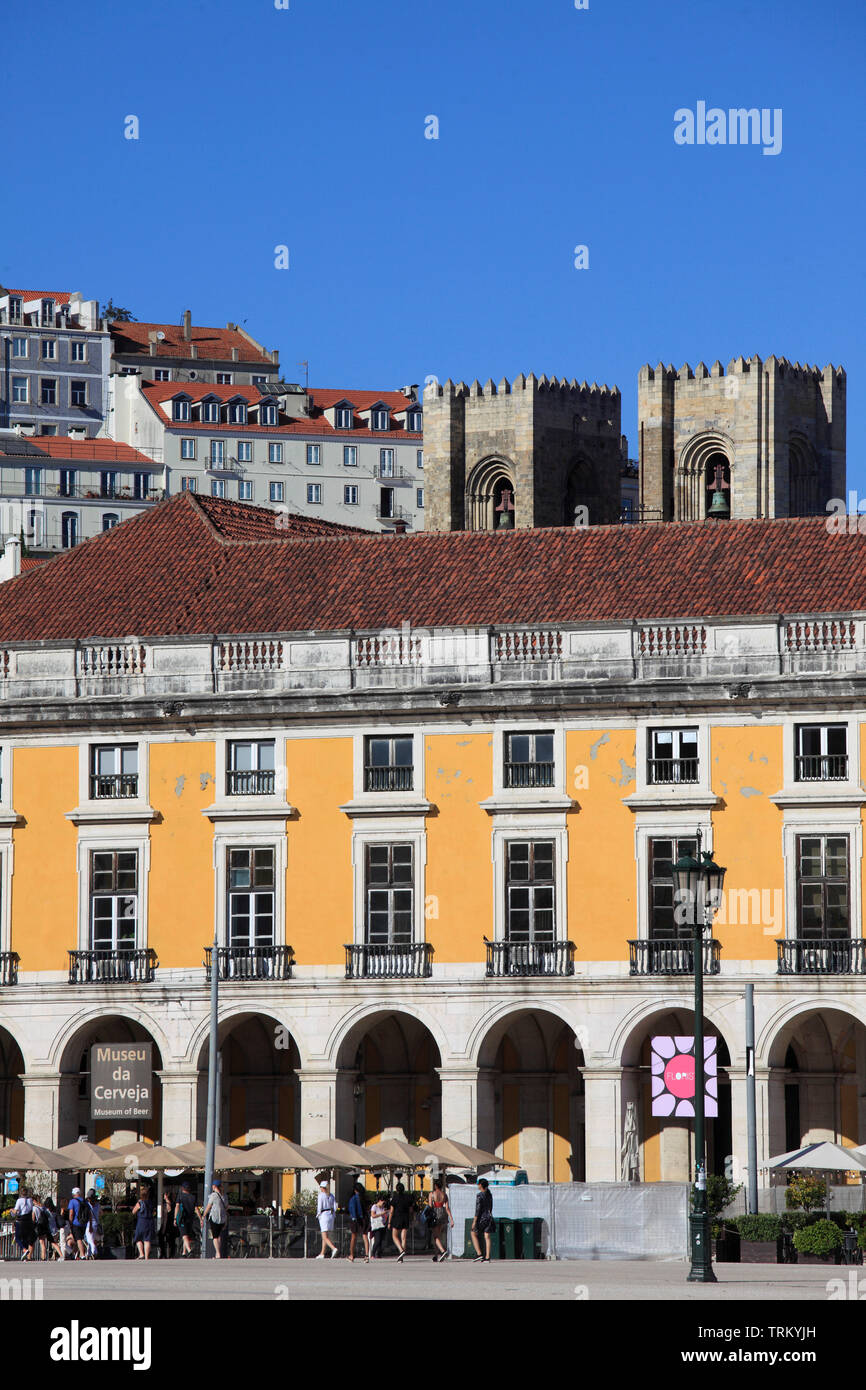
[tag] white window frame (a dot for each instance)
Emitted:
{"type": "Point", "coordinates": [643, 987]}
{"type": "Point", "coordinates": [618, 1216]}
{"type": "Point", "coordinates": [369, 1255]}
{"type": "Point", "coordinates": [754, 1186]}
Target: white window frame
{"type": "Point", "coordinates": [80, 405]}
{"type": "Point", "coordinates": [350, 456]}
{"type": "Point", "coordinates": [275, 492]}
{"type": "Point", "coordinates": [245, 490]}
{"type": "Point", "coordinates": [343, 417]}
{"type": "Point", "coordinates": [188, 484]}
{"type": "Point", "coordinates": [216, 452]}
{"type": "Point", "coordinates": [246, 835]}
{"type": "Point", "coordinates": [210, 412]}
{"type": "Point", "coordinates": [387, 832]}
{"type": "Point", "coordinates": [314, 455]}
{"type": "Point", "coordinates": [17, 356]}
{"type": "Point", "coordinates": [523, 825]}
{"type": "Point", "coordinates": [240, 809]}
{"type": "Point", "coordinates": [413, 800]}
{"type": "Point", "coordinates": [653, 825]}
{"type": "Point", "coordinates": [217, 487]}
{"type": "Point", "coordinates": [268, 414]}
{"type": "Point", "coordinates": [506, 797]}
{"type": "Point", "coordinates": [350, 501]}
{"type": "Point", "coordinates": [275, 453]}
{"type": "Point", "coordinates": [659, 795]}
{"type": "Point", "coordinates": [8, 820]}
{"type": "Point", "coordinates": [49, 350]}
{"type": "Point", "coordinates": [185, 443]}
{"type": "Point", "coordinates": [245, 451]}
{"type": "Point", "coordinates": [17, 398]}
{"type": "Point", "coordinates": [180, 410]}
{"type": "Point", "coordinates": [121, 838]}
{"type": "Point", "coordinates": [823, 820]}
{"type": "Point", "coordinates": [314, 494]}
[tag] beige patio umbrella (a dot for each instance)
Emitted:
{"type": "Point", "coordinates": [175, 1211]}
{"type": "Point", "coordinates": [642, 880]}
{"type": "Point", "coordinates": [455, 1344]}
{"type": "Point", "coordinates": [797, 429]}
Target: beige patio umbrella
{"type": "Point", "coordinates": [152, 1156]}
{"type": "Point", "coordinates": [339, 1153]}
{"type": "Point", "coordinates": [824, 1156]}
{"type": "Point", "coordinates": [456, 1155]}
{"type": "Point", "coordinates": [90, 1157]}
{"type": "Point", "coordinates": [399, 1153]}
{"type": "Point", "coordinates": [226, 1157]}
{"type": "Point", "coordinates": [282, 1154]}
{"type": "Point", "coordinates": [23, 1157]}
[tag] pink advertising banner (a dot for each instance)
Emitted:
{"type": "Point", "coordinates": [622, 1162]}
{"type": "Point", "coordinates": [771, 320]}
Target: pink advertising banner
{"type": "Point", "coordinates": [673, 1077]}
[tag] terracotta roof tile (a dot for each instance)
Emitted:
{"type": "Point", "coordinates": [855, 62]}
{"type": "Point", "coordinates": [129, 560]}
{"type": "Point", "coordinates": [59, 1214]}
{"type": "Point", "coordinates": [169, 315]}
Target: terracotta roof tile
{"type": "Point", "coordinates": [157, 392]}
{"type": "Point", "coordinates": [90, 450]}
{"type": "Point", "coordinates": [211, 344]}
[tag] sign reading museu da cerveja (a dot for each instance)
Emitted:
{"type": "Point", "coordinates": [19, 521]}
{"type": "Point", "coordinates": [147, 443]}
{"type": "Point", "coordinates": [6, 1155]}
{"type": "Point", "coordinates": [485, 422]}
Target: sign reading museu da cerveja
{"type": "Point", "coordinates": [121, 1081]}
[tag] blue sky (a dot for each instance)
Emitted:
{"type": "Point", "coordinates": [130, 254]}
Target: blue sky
{"type": "Point", "coordinates": [305, 127]}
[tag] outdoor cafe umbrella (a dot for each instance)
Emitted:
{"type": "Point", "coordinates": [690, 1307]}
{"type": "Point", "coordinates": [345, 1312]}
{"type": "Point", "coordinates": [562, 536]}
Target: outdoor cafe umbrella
{"type": "Point", "coordinates": [399, 1153]}
{"type": "Point", "coordinates": [226, 1157]}
{"type": "Point", "coordinates": [87, 1157]}
{"type": "Point", "coordinates": [23, 1157]}
{"type": "Point", "coordinates": [823, 1156]}
{"type": "Point", "coordinates": [282, 1154]}
{"type": "Point", "coordinates": [339, 1153]}
{"type": "Point", "coordinates": [152, 1156]}
{"type": "Point", "coordinates": [456, 1155]}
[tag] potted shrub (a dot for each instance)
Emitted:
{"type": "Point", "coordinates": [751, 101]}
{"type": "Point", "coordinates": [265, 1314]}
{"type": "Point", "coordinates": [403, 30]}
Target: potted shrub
{"type": "Point", "coordinates": [818, 1243]}
{"type": "Point", "coordinates": [721, 1192]}
{"type": "Point", "coordinates": [806, 1194]}
{"type": "Point", "coordinates": [760, 1238]}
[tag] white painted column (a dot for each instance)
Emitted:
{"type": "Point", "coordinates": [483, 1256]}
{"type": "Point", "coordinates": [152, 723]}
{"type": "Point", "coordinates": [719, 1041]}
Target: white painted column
{"type": "Point", "coordinates": [603, 1101]}
{"type": "Point", "coordinates": [459, 1104]}
{"type": "Point", "coordinates": [179, 1106]}
{"type": "Point", "coordinates": [319, 1104]}
{"type": "Point", "coordinates": [42, 1108]}
{"type": "Point", "coordinates": [739, 1122]}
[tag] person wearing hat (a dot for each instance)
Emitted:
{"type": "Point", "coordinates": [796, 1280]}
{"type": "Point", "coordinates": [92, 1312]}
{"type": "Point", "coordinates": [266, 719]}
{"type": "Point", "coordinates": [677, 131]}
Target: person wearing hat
{"type": "Point", "coordinates": [325, 1209]}
{"type": "Point", "coordinates": [78, 1219]}
{"type": "Point", "coordinates": [217, 1211]}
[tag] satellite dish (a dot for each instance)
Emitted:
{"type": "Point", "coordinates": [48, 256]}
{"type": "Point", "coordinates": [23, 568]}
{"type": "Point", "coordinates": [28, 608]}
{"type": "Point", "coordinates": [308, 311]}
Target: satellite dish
{"type": "Point", "coordinates": [193, 375]}
{"type": "Point", "coordinates": [160, 335]}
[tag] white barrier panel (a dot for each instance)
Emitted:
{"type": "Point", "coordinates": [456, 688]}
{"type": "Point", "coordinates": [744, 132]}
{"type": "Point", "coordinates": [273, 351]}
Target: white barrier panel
{"type": "Point", "coordinates": [591, 1221]}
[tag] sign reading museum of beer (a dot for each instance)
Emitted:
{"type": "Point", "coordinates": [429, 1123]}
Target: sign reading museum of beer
{"type": "Point", "coordinates": [121, 1081]}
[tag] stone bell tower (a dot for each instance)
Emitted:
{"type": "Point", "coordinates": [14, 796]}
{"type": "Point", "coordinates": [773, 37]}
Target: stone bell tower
{"type": "Point", "coordinates": [537, 452]}
{"type": "Point", "coordinates": [765, 438]}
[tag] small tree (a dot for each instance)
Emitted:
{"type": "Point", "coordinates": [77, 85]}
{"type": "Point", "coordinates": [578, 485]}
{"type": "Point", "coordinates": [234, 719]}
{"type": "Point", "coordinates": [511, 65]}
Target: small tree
{"type": "Point", "coordinates": [115, 314]}
{"type": "Point", "coordinates": [806, 1193]}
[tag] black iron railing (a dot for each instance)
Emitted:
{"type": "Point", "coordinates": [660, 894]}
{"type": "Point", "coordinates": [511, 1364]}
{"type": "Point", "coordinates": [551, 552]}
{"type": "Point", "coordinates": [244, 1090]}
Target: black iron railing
{"type": "Point", "coordinates": [112, 967]}
{"type": "Point", "coordinates": [388, 779]}
{"type": "Point", "coordinates": [672, 956]}
{"type": "Point", "coordinates": [113, 784]}
{"type": "Point", "coordinates": [665, 771]}
{"type": "Point", "coordinates": [529, 774]}
{"type": "Point", "coordinates": [389, 962]}
{"type": "Point", "coordinates": [508, 958]}
{"type": "Point", "coordinates": [825, 767]}
{"type": "Point", "coordinates": [251, 962]}
{"type": "Point", "coordinates": [845, 956]}
{"type": "Point", "coordinates": [258, 782]}
{"type": "Point", "coordinates": [9, 968]}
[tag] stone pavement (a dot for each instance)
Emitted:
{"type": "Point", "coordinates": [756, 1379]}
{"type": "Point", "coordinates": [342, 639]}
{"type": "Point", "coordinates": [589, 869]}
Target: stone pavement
{"type": "Point", "coordinates": [420, 1279]}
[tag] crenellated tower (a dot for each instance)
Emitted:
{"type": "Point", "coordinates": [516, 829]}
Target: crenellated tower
{"type": "Point", "coordinates": [550, 448]}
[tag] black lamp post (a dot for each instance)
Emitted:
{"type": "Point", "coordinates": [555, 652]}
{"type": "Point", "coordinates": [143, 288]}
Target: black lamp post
{"type": "Point", "coordinates": [698, 885]}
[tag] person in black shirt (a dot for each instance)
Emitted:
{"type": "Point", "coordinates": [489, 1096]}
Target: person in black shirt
{"type": "Point", "coordinates": [483, 1223]}
{"type": "Point", "coordinates": [399, 1219]}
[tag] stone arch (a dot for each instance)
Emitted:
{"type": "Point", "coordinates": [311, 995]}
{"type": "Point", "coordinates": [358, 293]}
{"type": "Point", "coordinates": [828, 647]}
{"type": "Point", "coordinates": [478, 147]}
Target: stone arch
{"type": "Point", "coordinates": [803, 497]}
{"type": "Point", "coordinates": [199, 1037]}
{"type": "Point", "coordinates": [693, 476]}
{"type": "Point", "coordinates": [666, 1145]}
{"type": "Point", "coordinates": [260, 1088]}
{"type": "Point", "coordinates": [123, 1025]}
{"type": "Point", "coordinates": [388, 1078]}
{"type": "Point", "coordinates": [816, 1057]}
{"type": "Point", "coordinates": [530, 1093]}
{"type": "Point", "coordinates": [583, 489]}
{"type": "Point", "coordinates": [12, 1068]}
{"type": "Point", "coordinates": [484, 488]}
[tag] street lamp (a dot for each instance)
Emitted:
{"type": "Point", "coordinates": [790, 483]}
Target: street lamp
{"type": "Point", "coordinates": [698, 885]}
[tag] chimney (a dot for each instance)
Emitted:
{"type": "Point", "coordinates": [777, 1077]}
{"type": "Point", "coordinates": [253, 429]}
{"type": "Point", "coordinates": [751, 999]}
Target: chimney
{"type": "Point", "coordinates": [151, 337]}
{"type": "Point", "coordinates": [236, 356]}
{"type": "Point", "coordinates": [10, 560]}
{"type": "Point", "coordinates": [187, 324]}
{"type": "Point", "coordinates": [399, 527]}
{"type": "Point", "coordinates": [193, 350]}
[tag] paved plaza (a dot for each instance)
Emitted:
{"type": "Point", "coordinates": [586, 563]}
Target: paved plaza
{"type": "Point", "coordinates": [420, 1279]}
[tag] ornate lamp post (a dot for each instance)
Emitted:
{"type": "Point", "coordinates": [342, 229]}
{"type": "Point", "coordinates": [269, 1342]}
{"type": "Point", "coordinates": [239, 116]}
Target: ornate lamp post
{"type": "Point", "coordinates": [698, 884]}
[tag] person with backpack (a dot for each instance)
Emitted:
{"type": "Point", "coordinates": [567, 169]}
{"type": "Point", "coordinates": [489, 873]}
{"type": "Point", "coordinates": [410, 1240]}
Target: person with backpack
{"type": "Point", "coordinates": [325, 1211]}
{"type": "Point", "coordinates": [184, 1217]}
{"type": "Point", "coordinates": [360, 1222]}
{"type": "Point", "coordinates": [218, 1212]}
{"type": "Point", "coordinates": [78, 1217]}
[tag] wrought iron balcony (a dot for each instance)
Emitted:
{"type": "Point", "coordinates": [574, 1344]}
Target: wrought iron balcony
{"type": "Point", "coordinates": [826, 767]}
{"type": "Point", "coordinates": [670, 771]}
{"type": "Point", "coordinates": [529, 774]}
{"type": "Point", "coordinates": [9, 968]}
{"type": "Point", "coordinates": [510, 958]}
{"type": "Point", "coordinates": [251, 962]}
{"type": "Point", "coordinates": [388, 779]}
{"type": "Point", "coordinates": [258, 782]}
{"type": "Point", "coordinates": [112, 967]}
{"type": "Point", "coordinates": [389, 962]}
{"type": "Point", "coordinates": [113, 784]}
{"type": "Point", "coordinates": [843, 956]}
{"type": "Point", "coordinates": [672, 956]}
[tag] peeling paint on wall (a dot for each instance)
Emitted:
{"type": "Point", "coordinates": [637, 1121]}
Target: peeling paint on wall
{"type": "Point", "coordinates": [628, 773]}
{"type": "Point", "coordinates": [179, 786]}
{"type": "Point", "coordinates": [203, 779]}
{"type": "Point", "coordinates": [599, 743]}
{"type": "Point", "coordinates": [750, 791]}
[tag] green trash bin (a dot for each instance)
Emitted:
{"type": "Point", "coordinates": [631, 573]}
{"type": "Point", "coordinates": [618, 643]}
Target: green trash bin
{"type": "Point", "coordinates": [468, 1247]}
{"type": "Point", "coordinates": [530, 1238]}
{"type": "Point", "coordinates": [507, 1231]}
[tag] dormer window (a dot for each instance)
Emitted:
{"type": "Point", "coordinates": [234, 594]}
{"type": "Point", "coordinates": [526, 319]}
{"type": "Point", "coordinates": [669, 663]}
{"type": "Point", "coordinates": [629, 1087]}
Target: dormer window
{"type": "Point", "coordinates": [47, 312]}
{"type": "Point", "coordinates": [343, 417]}
{"type": "Point", "coordinates": [381, 419]}
{"type": "Point", "coordinates": [14, 310]}
{"type": "Point", "coordinates": [413, 421]}
{"type": "Point", "coordinates": [180, 408]}
{"type": "Point", "coordinates": [268, 413]}
{"type": "Point", "coordinates": [210, 411]}
{"type": "Point", "coordinates": [237, 413]}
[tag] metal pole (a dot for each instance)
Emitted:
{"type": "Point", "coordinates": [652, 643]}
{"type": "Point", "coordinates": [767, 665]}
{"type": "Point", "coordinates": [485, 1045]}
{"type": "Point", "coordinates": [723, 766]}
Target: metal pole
{"type": "Point", "coordinates": [702, 1268]}
{"type": "Point", "coordinates": [751, 1109]}
{"type": "Point", "coordinates": [210, 1138]}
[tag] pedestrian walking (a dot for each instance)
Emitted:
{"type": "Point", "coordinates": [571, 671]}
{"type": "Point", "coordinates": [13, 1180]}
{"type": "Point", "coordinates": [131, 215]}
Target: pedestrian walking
{"type": "Point", "coordinates": [360, 1222]}
{"type": "Point", "coordinates": [184, 1216]}
{"type": "Point", "coordinates": [441, 1216]}
{"type": "Point", "coordinates": [144, 1225]}
{"type": "Point", "coordinates": [78, 1223]}
{"type": "Point", "coordinates": [54, 1231]}
{"type": "Point", "coordinates": [325, 1211]}
{"type": "Point", "coordinates": [378, 1225]}
{"type": "Point", "coordinates": [25, 1227]}
{"type": "Point", "coordinates": [483, 1223]}
{"type": "Point", "coordinates": [40, 1227]}
{"type": "Point", "coordinates": [399, 1219]}
{"type": "Point", "coordinates": [217, 1211]}
{"type": "Point", "coordinates": [167, 1228]}
{"type": "Point", "coordinates": [93, 1229]}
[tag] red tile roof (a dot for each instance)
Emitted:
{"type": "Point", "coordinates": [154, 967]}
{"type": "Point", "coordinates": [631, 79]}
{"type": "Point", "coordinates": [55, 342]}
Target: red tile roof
{"type": "Point", "coordinates": [29, 562]}
{"type": "Point", "coordinates": [212, 344]}
{"type": "Point", "coordinates": [156, 392]}
{"type": "Point", "coordinates": [59, 296]}
{"type": "Point", "coordinates": [95, 450]}
{"type": "Point", "coordinates": [196, 566]}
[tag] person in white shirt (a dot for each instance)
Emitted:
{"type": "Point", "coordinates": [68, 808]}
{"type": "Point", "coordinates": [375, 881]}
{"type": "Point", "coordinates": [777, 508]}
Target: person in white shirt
{"type": "Point", "coordinates": [218, 1212]}
{"type": "Point", "coordinates": [25, 1228]}
{"type": "Point", "coordinates": [325, 1209]}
